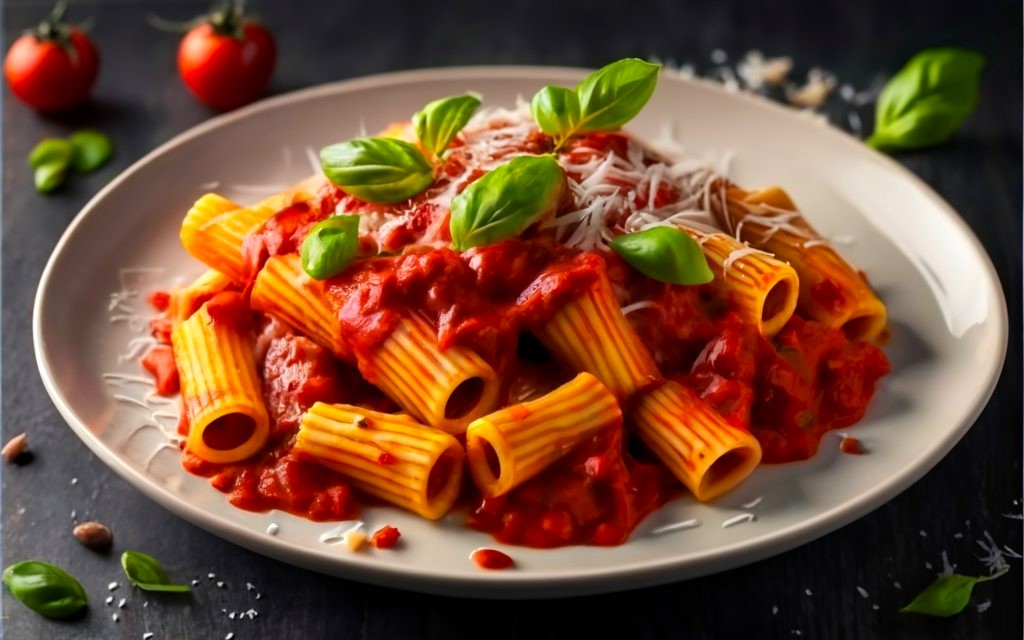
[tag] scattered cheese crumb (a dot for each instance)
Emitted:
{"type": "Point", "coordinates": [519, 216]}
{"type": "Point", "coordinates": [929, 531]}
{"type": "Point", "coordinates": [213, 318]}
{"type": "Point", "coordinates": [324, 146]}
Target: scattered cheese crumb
{"type": "Point", "coordinates": [195, 582]}
{"type": "Point", "coordinates": [109, 600]}
{"type": "Point", "coordinates": [272, 529]}
{"type": "Point", "coordinates": [863, 592]}
{"type": "Point", "coordinates": [147, 635]}
{"type": "Point", "coordinates": [229, 636]}
{"type": "Point", "coordinates": [928, 566]}
{"type": "Point", "coordinates": [897, 585]}
{"type": "Point", "coordinates": [249, 586]}
{"type": "Point", "coordinates": [74, 514]}
{"type": "Point", "coordinates": [74, 481]}
{"type": "Point", "coordinates": [220, 584]}
{"type": "Point", "coordinates": [795, 632]}
{"type": "Point", "coordinates": [875, 607]}
{"type": "Point", "coordinates": [757, 71]}
{"type": "Point", "coordinates": [813, 94]}
{"type": "Point", "coordinates": [922, 533]}
{"type": "Point", "coordinates": [775, 610]}
{"type": "Point", "coordinates": [115, 617]}
{"type": "Point", "coordinates": [211, 576]}
{"type": "Point", "coordinates": [252, 613]}
{"type": "Point", "coordinates": [112, 586]}
{"type": "Point", "coordinates": [354, 540]}
{"type": "Point", "coordinates": [808, 592]}
{"type": "Point", "coordinates": [958, 535]}
{"type": "Point", "coordinates": [120, 605]}
{"type": "Point", "coordinates": [259, 595]}
{"type": "Point", "coordinates": [984, 606]}
{"type": "Point", "coordinates": [231, 615]}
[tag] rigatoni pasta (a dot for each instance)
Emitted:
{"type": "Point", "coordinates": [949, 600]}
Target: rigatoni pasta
{"type": "Point", "coordinates": [388, 456]}
{"type": "Point", "coordinates": [370, 332]}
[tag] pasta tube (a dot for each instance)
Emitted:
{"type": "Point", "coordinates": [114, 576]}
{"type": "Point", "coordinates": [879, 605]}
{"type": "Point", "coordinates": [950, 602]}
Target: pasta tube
{"type": "Point", "coordinates": [831, 291]}
{"type": "Point", "coordinates": [510, 446]}
{"type": "Point", "coordinates": [389, 456]}
{"type": "Point", "coordinates": [283, 290]}
{"type": "Point", "coordinates": [762, 288]}
{"type": "Point", "coordinates": [214, 229]}
{"type": "Point", "coordinates": [706, 453]}
{"type": "Point", "coordinates": [220, 388]}
{"type": "Point", "coordinates": [590, 334]}
{"type": "Point", "coordinates": [446, 389]}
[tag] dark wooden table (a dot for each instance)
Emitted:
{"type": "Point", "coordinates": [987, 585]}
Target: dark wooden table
{"type": "Point", "coordinates": [140, 103]}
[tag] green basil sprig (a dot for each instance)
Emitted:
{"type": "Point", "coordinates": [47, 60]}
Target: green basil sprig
{"type": "Point", "coordinates": [665, 254]}
{"type": "Point", "coordinates": [330, 247]}
{"type": "Point", "coordinates": [377, 169]}
{"type": "Point", "coordinates": [928, 99]}
{"type": "Point", "coordinates": [146, 573]}
{"type": "Point", "coordinates": [506, 200]}
{"type": "Point", "coordinates": [91, 150]}
{"type": "Point", "coordinates": [45, 588]}
{"type": "Point", "coordinates": [947, 596]}
{"type": "Point", "coordinates": [604, 101]}
{"type": "Point", "coordinates": [439, 122]}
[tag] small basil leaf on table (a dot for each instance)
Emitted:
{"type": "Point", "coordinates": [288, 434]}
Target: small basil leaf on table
{"type": "Point", "coordinates": [145, 572]}
{"type": "Point", "coordinates": [49, 176]}
{"type": "Point", "coordinates": [556, 110]}
{"type": "Point", "coordinates": [665, 254]}
{"type": "Point", "coordinates": [439, 122]}
{"type": "Point", "coordinates": [947, 596]}
{"type": "Point", "coordinates": [505, 201]}
{"type": "Point", "coordinates": [928, 99]}
{"type": "Point", "coordinates": [50, 151]}
{"type": "Point", "coordinates": [381, 170]}
{"type": "Point", "coordinates": [45, 588]}
{"type": "Point", "coordinates": [613, 95]}
{"type": "Point", "coordinates": [91, 150]}
{"type": "Point", "coordinates": [330, 246]}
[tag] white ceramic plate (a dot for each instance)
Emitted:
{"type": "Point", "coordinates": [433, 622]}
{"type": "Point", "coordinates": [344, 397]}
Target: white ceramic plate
{"type": "Point", "coordinates": [946, 306]}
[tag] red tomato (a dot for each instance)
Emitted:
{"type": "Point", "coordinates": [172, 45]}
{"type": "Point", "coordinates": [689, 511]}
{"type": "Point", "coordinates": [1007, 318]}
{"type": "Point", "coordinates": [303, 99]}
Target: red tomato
{"type": "Point", "coordinates": [223, 70]}
{"type": "Point", "coordinates": [50, 75]}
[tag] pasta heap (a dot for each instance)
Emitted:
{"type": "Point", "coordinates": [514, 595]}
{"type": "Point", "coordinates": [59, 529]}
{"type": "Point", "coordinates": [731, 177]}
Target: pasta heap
{"type": "Point", "coordinates": [579, 382]}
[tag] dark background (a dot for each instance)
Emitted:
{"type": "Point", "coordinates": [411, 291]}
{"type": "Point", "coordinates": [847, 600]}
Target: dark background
{"type": "Point", "coordinates": [140, 103]}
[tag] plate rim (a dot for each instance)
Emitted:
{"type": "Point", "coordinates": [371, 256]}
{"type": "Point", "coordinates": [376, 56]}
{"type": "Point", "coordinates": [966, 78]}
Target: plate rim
{"type": "Point", "coordinates": [513, 584]}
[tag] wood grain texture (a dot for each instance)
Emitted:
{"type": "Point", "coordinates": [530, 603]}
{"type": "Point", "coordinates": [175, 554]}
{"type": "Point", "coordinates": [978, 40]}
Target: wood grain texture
{"type": "Point", "coordinates": [140, 103]}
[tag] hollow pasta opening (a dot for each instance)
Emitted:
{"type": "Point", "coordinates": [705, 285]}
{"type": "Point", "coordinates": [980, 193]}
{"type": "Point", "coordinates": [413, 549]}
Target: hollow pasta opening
{"type": "Point", "coordinates": [229, 431]}
{"type": "Point", "coordinates": [776, 301]}
{"type": "Point", "coordinates": [464, 398]}
{"type": "Point", "coordinates": [441, 473]}
{"type": "Point", "coordinates": [859, 327]}
{"type": "Point", "coordinates": [723, 472]}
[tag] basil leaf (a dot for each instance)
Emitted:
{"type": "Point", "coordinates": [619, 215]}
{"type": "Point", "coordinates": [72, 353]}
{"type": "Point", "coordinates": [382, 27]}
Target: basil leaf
{"type": "Point", "coordinates": [146, 573]}
{"type": "Point", "coordinates": [50, 151]}
{"type": "Point", "coordinates": [948, 595]}
{"type": "Point", "coordinates": [556, 110]}
{"type": "Point", "coordinates": [928, 99]}
{"type": "Point", "coordinates": [613, 95]}
{"type": "Point", "coordinates": [505, 201]}
{"type": "Point", "coordinates": [665, 254]}
{"type": "Point", "coordinates": [377, 169]}
{"type": "Point", "coordinates": [49, 176]}
{"type": "Point", "coordinates": [45, 588]}
{"type": "Point", "coordinates": [945, 597]}
{"type": "Point", "coordinates": [330, 246]}
{"type": "Point", "coordinates": [441, 120]}
{"type": "Point", "coordinates": [91, 150]}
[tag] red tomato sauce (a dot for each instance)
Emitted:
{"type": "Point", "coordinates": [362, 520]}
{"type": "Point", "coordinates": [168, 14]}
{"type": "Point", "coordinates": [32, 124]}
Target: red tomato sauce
{"type": "Point", "coordinates": [787, 391]}
{"type": "Point", "coordinates": [491, 559]}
